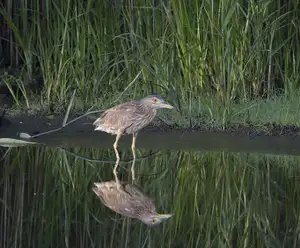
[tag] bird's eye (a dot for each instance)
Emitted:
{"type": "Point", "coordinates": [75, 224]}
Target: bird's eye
{"type": "Point", "coordinates": [153, 221]}
{"type": "Point", "coordinates": [154, 99]}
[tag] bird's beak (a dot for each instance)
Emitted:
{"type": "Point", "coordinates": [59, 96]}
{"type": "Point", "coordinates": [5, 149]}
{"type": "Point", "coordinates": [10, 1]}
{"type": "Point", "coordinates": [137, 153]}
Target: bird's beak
{"type": "Point", "coordinates": [164, 216]}
{"type": "Point", "coordinates": [166, 105]}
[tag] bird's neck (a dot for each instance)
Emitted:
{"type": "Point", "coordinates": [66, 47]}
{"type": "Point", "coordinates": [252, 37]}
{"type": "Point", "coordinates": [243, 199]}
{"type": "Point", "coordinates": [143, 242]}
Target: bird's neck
{"type": "Point", "coordinates": [150, 109]}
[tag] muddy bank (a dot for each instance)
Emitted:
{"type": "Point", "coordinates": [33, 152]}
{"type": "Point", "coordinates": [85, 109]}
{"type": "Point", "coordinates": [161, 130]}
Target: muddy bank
{"type": "Point", "coordinates": [273, 139]}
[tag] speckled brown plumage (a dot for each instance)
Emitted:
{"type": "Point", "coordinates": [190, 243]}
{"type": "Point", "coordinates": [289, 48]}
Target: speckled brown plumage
{"type": "Point", "coordinates": [128, 200]}
{"type": "Point", "coordinates": [129, 117]}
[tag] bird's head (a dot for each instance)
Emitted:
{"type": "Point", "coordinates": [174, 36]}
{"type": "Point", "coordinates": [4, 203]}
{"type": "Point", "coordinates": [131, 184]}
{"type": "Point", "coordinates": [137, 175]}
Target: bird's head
{"type": "Point", "coordinates": [154, 219]}
{"type": "Point", "coordinates": [156, 102]}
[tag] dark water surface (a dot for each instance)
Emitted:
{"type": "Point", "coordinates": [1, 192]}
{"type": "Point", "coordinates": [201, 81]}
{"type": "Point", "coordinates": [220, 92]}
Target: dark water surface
{"type": "Point", "coordinates": [219, 198]}
{"type": "Point", "coordinates": [81, 134]}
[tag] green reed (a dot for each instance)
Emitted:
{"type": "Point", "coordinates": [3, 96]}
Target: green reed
{"type": "Point", "coordinates": [213, 52]}
{"type": "Point", "coordinates": [218, 200]}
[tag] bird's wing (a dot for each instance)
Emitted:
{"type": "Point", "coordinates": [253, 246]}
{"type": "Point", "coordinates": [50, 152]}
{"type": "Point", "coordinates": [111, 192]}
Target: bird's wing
{"type": "Point", "coordinates": [134, 191]}
{"type": "Point", "coordinates": [119, 116]}
{"type": "Point", "coordinates": [136, 203]}
{"type": "Point", "coordinates": [119, 200]}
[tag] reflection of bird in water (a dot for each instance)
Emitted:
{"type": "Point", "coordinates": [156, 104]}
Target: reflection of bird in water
{"type": "Point", "coordinates": [129, 117]}
{"type": "Point", "coordinates": [129, 201]}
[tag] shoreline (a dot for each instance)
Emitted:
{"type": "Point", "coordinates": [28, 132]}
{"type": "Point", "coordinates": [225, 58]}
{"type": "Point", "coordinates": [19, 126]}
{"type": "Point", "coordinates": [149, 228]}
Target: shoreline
{"type": "Point", "coordinates": [272, 139]}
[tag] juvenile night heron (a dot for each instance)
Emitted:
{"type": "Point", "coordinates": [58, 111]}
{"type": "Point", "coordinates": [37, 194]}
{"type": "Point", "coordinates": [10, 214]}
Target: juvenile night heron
{"type": "Point", "coordinates": [129, 201]}
{"type": "Point", "coordinates": [129, 117]}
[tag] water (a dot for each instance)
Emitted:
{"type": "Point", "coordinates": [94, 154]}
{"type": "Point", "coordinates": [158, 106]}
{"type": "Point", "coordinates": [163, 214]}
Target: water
{"type": "Point", "coordinates": [218, 198]}
{"type": "Point", "coordinates": [81, 134]}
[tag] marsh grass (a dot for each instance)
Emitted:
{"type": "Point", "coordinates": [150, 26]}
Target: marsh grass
{"type": "Point", "coordinates": [219, 53]}
{"type": "Point", "coordinates": [218, 200]}
{"type": "Point", "coordinates": [257, 113]}
{"type": "Point", "coordinates": [218, 62]}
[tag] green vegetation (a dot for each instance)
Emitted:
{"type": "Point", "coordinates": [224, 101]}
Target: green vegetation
{"type": "Point", "coordinates": [215, 53]}
{"type": "Point", "coordinates": [218, 200]}
{"type": "Point", "coordinates": [219, 62]}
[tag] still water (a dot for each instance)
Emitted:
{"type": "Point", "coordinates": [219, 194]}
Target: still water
{"type": "Point", "coordinates": [243, 197]}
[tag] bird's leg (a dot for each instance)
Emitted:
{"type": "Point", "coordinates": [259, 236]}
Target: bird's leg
{"type": "Point", "coordinates": [118, 159]}
{"type": "Point", "coordinates": [134, 156]}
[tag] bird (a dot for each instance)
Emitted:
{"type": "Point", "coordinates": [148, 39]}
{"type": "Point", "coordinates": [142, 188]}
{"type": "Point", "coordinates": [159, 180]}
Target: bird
{"type": "Point", "coordinates": [129, 118]}
{"type": "Point", "coordinates": [128, 200]}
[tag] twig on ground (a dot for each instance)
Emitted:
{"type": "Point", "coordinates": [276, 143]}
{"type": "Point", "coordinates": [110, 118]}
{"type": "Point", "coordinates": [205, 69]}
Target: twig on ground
{"type": "Point", "coordinates": [108, 161]}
